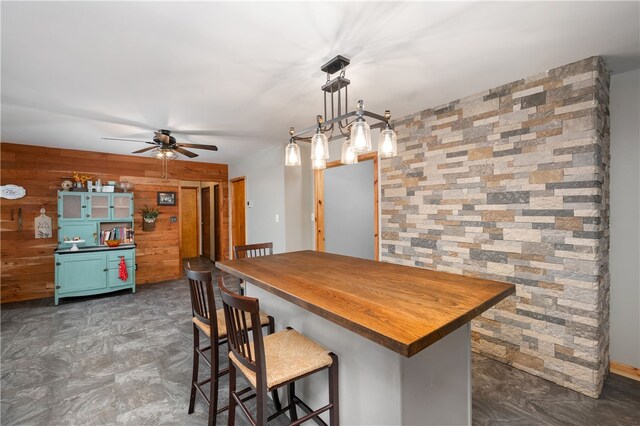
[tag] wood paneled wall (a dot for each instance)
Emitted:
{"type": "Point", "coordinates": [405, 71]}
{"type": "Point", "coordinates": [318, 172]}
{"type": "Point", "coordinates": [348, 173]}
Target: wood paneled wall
{"type": "Point", "coordinates": [27, 263]}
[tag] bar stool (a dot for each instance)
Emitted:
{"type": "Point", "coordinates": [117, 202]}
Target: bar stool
{"type": "Point", "coordinates": [271, 362]}
{"type": "Point", "coordinates": [203, 305]}
{"type": "Point", "coordinates": [252, 250]}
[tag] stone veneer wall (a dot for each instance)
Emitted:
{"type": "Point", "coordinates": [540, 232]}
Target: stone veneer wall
{"type": "Point", "coordinates": [512, 184]}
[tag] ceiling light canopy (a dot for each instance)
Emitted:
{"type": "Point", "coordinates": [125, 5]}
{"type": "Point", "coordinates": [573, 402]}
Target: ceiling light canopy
{"type": "Point", "coordinates": [342, 123]}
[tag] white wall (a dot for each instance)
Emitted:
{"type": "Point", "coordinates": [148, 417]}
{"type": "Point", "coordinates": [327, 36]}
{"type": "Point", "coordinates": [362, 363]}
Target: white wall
{"type": "Point", "coordinates": [265, 190]}
{"type": "Point", "coordinates": [273, 189]}
{"type": "Point", "coordinates": [624, 261]}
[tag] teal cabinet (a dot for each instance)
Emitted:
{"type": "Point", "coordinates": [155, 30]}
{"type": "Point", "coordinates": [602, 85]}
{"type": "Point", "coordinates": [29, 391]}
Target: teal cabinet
{"type": "Point", "coordinates": [93, 271]}
{"type": "Point", "coordinates": [95, 206]}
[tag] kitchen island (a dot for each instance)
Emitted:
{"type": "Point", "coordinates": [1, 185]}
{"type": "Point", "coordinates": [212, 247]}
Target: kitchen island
{"type": "Point", "coordinates": [402, 333]}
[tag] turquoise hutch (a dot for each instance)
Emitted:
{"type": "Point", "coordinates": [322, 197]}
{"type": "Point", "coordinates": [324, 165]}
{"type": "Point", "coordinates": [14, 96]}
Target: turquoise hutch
{"type": "Point", "coordinates": [84, 264]}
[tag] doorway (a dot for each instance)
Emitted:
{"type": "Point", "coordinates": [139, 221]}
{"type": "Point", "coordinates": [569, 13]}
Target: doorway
{"type": "Point", "coordinates": [238, 202]}
{"type": "Point", "coordinates": [190, 241]}
{"type": "Point", "coordinates": [346, 200]}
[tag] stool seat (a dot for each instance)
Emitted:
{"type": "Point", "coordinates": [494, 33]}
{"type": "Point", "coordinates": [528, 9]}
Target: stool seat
{"type": "Point", "coordinates": [289, 355]}
{"type": "Point", "coordinates": [222, 325]}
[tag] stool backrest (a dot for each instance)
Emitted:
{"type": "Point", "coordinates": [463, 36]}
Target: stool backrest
{"type": "Point", "coordinates": [203, 302]}
{"type": "Point", "coordinates": [253, 250]}
{"type": "Point", "coordinates": [237, 311]}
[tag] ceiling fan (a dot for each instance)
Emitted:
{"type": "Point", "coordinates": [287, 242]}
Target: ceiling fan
{"type": "Point", "coordinates": [166, 145]}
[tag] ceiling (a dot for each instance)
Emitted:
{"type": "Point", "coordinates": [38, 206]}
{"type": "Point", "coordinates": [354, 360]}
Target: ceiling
{"type": "Point", "coordinates": [74, 72]}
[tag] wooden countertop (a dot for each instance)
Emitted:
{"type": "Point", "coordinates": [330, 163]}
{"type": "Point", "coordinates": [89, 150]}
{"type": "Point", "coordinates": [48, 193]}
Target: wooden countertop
{"type": "Point", "coordinates": [401, 308]}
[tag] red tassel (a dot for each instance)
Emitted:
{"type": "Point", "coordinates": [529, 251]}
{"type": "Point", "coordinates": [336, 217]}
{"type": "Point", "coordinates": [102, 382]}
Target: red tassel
{"type": "Point", "coordinates": [122, 273]}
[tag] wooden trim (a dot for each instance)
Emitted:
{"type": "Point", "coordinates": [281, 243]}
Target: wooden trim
{"type": "Point", "coordinates": [238, 178]}
{"type": "Point", "coordinates": [625, 370]}
{"type": "Point", "coordinates": [319, 199]}
{"type": "Point", "coordinates": [319, 202]}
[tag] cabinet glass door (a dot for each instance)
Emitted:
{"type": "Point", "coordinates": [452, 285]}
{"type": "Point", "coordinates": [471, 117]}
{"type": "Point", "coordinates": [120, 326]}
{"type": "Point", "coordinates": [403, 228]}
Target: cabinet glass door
{"type": "Point", "coordinates": [99, 206]}
{"type": "Point", "coordinates": [71, 205]}
{"type": "Point", "coordinates": [122, 206]}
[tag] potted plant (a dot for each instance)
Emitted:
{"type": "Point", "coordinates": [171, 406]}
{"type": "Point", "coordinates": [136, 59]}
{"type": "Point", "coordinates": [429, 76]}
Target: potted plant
{"type": "Point", "coordinates": [149, 216]}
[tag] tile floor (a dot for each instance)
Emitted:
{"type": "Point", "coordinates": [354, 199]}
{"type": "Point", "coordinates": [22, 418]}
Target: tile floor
{"type": "Point", "coordinates": [126, 359]}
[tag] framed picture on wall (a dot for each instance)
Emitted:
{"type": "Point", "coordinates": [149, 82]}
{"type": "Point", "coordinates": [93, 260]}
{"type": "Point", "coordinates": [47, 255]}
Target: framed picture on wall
{"type": "Point", "coordinates": [166, 198]}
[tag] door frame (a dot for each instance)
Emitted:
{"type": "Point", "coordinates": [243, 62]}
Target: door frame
{"type": "Point", "coordinates": [318, 190]}
{"type": "Point", "coordinates": [231, 212]}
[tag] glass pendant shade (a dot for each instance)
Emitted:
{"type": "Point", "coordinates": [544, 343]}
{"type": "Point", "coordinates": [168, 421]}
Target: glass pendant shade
{"type": "Point", "coordinates": [292, 154]}
{"type": "Point", "coordinates": [387, 143]}
{"type": "Point", "coordinates": [319, 147]}
{"type": "Point", "coordinates": [349, 156]}
{"type": "Point", "coordinates": [318, 164]}
{"type": "Point", "coordinates": [360, 136]}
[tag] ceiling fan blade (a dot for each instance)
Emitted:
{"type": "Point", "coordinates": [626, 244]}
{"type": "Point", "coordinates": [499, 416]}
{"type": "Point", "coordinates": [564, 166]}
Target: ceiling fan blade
{"type": "Point", "coordinates": [185, 152]}
{"type": "Point", "coordinates": [224, 133]}
{"type": "Point", "coordinates": [198, 146]}
{"type": "Point", "coordinates": [128, 140]}
{"type": "Point", "coordinates": [140, 151]}
{"type": "Point", "coordinates": [164, 138]}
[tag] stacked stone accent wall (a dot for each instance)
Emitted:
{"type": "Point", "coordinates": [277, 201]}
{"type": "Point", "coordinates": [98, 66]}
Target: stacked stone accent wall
{"type": "Point", "coordinates": [512, 184]}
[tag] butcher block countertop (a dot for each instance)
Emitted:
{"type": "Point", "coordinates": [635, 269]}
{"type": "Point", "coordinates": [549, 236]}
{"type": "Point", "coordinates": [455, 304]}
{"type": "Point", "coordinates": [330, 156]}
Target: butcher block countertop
{"type": "Point", "coordinates": [402, 308]}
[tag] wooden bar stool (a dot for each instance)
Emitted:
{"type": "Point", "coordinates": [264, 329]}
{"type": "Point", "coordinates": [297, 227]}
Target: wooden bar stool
{"type": "Point", "coordinates": [252, 250]}
{"type": "Point", "coordinates": [203, 306]}
{"type": "Point", "coordinates": [271, 362]}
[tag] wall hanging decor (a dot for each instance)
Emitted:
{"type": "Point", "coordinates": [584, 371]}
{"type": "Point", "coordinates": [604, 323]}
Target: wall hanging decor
{"type": "Point", "coordinates": [43, 225]}
{"type": "Point", "coordinates": [12, 192]}
{"type": "Point", "coordinates": [166, 198]}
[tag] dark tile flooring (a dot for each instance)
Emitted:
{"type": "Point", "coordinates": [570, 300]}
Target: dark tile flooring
{"type": "Point", "coordinates": [126, 359]}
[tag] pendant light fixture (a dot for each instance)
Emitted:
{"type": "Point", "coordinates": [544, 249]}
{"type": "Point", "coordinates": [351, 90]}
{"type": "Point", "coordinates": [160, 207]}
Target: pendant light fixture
{"type": "Point", "coordinates": [292, 154]}
{"type": "Point", "coordinates": [387, 143]}
{"type": "Point", "coordinates": [352, 125]}
{"type": "Point", "coordinates": [349, 156]}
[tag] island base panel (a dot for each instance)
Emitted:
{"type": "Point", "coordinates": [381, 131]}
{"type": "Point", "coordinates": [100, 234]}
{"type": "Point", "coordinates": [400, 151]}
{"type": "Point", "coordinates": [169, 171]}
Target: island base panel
{"type": "Point", "coordinates": [379, 386]}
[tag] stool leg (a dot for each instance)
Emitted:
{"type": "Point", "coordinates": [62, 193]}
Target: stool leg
{"type": "Point", "coordinates": [213, 385]}
{"type": "Point", "coordinates": [293, 413]}
{"type": "Point", "coordinates": [334, 412]}
{"type": "Point", "coordinates": [196, 362]}
{"type": "Point", "coordinates": [274, 393]}
{"type": "Point", "coordinates": [232, 389]}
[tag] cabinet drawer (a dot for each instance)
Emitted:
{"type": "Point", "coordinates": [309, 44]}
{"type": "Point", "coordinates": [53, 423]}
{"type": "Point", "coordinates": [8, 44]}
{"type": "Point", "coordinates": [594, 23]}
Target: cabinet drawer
{"type": "Point", "coordinates": [117, 255]}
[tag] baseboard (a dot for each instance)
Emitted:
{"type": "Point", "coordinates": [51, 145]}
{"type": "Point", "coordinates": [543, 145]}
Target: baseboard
{"type": "Point", "coordinates": [625, 370]}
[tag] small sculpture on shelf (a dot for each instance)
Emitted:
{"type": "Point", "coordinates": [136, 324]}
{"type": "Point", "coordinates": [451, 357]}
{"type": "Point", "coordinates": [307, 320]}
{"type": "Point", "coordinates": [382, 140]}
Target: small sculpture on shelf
{"type": "Point", "coordinates": [149, 216]}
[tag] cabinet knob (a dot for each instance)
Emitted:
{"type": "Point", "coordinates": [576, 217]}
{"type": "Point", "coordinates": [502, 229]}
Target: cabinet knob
{"type": "Point", "coordinates": [88, 215]}
{"type": "Point", "coordinates": [105, 269]}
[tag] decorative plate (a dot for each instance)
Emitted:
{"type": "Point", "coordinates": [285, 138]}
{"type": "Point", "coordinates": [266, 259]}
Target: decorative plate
{"type": "Point", "coordinates": [12, 192]}
{"type": "Point", "coordinates": [66, 185]}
